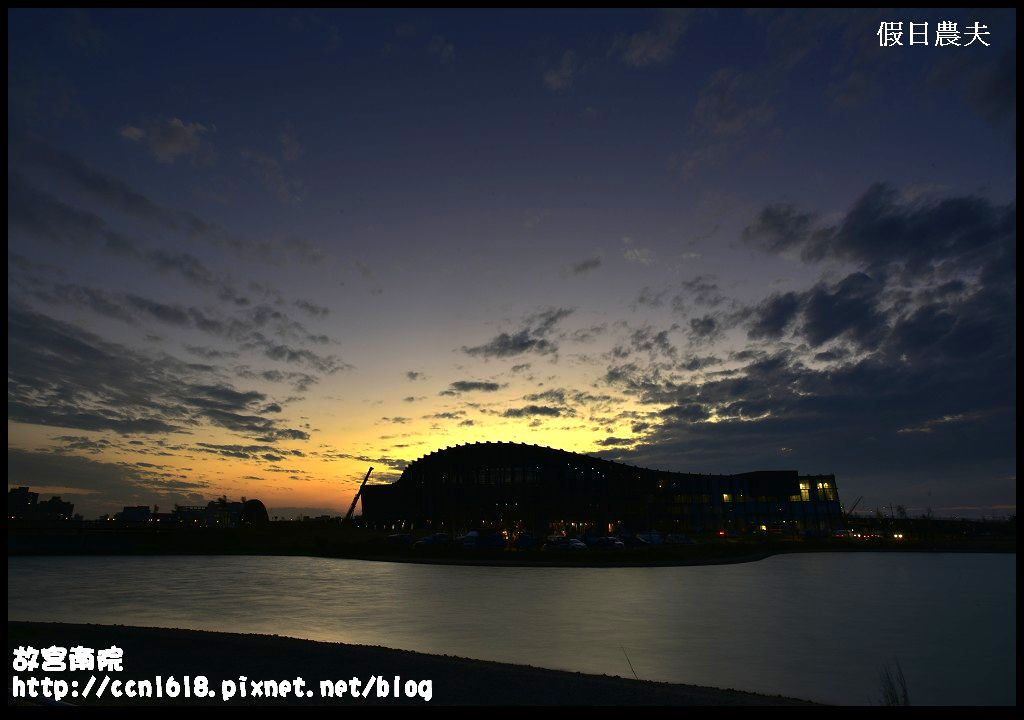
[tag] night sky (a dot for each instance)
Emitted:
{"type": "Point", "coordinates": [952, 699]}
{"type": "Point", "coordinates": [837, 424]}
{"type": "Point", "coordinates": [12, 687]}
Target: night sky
{"type": "Point", "coordinates": [252, 253]}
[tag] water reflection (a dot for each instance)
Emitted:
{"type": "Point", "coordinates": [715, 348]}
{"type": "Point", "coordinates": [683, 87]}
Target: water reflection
{"type": "Point", "coordinates": [817, 626]}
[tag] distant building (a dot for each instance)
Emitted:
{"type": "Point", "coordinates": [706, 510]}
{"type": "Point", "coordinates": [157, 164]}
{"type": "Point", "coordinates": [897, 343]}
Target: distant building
{"type": "Point", "coordinates": [24, 505]}
{"type": "Point", "coordinates": [56, 509]}
{"type": "Point", "coordinates": [512, 486]}
{"type": "Point", "coordinates": [222, 513]}
{"type": "Point", "coordinates": [254, 512]}
{"type": "Point", "coordinates": [21, 504]}
{"type": "Point", "coordinates": [134, 514]}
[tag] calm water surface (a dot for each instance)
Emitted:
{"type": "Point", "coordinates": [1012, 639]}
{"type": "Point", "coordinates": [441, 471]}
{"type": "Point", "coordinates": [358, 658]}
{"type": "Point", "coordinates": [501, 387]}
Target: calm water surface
{"type": "Point", "coordinates": [816, 626]}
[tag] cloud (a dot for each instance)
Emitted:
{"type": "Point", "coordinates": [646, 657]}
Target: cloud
{"type": "Point", "coordinates": [700, 290]}
{"type": "Point", "coordinates": [555, 395]}
{"type": "Point", "coordinates": [531, 337]}
{"type": "Point", "coordinates": [62, 376]}
{"type": "Point", "coordinates": [328, 364]}
{"type": "Point", "coordinates": [732, 104]}
{"type": "Point", "coordinates": [96, 486]}
{"type": "Point", "coordinates": [650, 298]}
{"type": "Point", "coordinates": [581, 335]}
{"type": "Point", "coordinates": [646, 340]}
{"type": "Point", "coordinates": [40, 216]}
{"type": "Point", "coordinates": [312, 309]}
{"type": "Point", "coordinates": [35, 215]}
{"type": "Point", "coordinates": [83, 34]}
{"type": "Point", "coordinates": [847, 309]}
{"type": "Point", "coordinates": [245, 328]}
{"type": "Point", "coordinates": [271, 173]}
{"type": "Point", "coordinates": [171, 314]}
{"type": "Point", "coordinates": [779, 227]}
{"type": "Point", "coordinates": [987, 83]}
{"type": "Point", "coordinates": [583, 266]}
{"type": "Point", "coordinates": [634, 253]}
{"type": "Point", "coordinates": [533, 410]}
{"type": "Point", "coordinates": [561, 76]}
{"type": "Point", "coordinates": [850, 419]}
{"type": "Point", "coordinates": [926, 237]}
{"type": "Point", "coordinates": [167, 139]}
{"type": "Point", "coordinates": [464, 386]}
{"type": "Point", "coordinates": [29, 151]}
{"type": "Point", "coordinates": [704, 329]}
{"type": "Point", "coordinates": [695, 362]}
{"type": "Point", "coordinates": [773, 315]}
{"type": "Point", "coordinates": [898, 374]}
{"type": "Point", "coordinates": [657, 45]}
{"type": "Point", "coordinates": [246, 452]}
{"type": "Point", "coordinates": [442, 49]}
{"type": "Point", "coordinates": [447, 415]}
{"type": "Point", "coordinates": [735, 112]}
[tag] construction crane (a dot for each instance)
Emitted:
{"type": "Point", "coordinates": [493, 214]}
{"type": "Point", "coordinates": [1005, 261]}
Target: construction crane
{"type": "Point", "coordinates": [855, 504]}
{"type": "Point", "coordinates": [352, 507]}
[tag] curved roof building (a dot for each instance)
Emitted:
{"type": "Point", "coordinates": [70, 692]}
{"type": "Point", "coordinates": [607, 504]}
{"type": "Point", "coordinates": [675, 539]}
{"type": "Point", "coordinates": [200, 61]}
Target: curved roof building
{"type": "Point", "coordinates": [514, 486]}
{"type": "Point", "coordinates": [254, 512]}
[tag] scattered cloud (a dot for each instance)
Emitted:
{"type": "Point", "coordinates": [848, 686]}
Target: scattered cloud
{"type": "Point", "coordinates": [167, 139]}
{"type": "Point", "coordinates": [563, 73]}
{"type": "Point", "coordinates": [530, 337]}
{"type": "Point", "coordinates": [465, 386]}
{"type": "Point", "coordinates": [657, 45]}
{"type": "Point", "coordinates": [633, 252]}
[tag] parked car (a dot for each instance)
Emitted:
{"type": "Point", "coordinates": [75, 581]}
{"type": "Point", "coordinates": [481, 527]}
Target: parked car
{"type": "Point", "coordinates": [564, 543]}
{"type": "Point", "coordinates": [678, 539]}
{"type": "Point", "coordinates": [604, 543]}
{"type": "Point", "coordinates": [400, 539]}
{"type": "Point", "coordinates": [525, 541]}
{"type": "Point", "coordinates": [468, 540]}
{"type": "Point", "coordinates": [651, 538]}
{"type": "Point", "coordinates": [435, 540]}
{"type": "Point", "coordinates": [479, 540]}
{"type": "Point", "coordinates": [633, 541]}
{"type": "Point", "coordinates": [492, 540]}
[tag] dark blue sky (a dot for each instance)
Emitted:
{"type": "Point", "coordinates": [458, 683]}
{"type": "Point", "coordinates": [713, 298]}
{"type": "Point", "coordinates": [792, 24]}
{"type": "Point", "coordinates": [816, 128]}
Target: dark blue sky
{"type": "Point", "coordinates": [269, 246]}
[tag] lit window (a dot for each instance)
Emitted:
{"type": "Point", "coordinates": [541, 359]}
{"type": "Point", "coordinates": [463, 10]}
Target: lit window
{"type": "Point", "coordinates": [726, 497]}
{"type": "Point", "coordinates": [805, 492]}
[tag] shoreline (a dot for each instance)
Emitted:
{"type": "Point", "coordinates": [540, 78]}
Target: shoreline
{"type": "Point", "coordinates": [167, 652]}
{"type": "Point", "coordinates": [720, 555]}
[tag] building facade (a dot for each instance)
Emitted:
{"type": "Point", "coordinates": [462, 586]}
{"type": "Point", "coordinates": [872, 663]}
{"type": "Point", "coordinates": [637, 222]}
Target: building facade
{"type": "Point", "coordinates": [518, 487]}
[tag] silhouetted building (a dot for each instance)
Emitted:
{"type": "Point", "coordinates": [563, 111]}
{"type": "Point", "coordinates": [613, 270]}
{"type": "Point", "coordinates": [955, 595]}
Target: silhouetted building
{"type": "Point", "coordinates": [190, 514]}
{"type": "Point", "coordinates": [254, 512]}
{"type": "Point", "coordinates": [21, 504]}
{"type": "Point", "coordinates": [134, 514]}
{"type": "Point", "coordinates": [56, 509]}
{"type": "Point", "coordinates": [222, 513]}
{"type": "Point", "coordinates": [513, 486]}
{"type": "Point", "coordinates": [25, 505]}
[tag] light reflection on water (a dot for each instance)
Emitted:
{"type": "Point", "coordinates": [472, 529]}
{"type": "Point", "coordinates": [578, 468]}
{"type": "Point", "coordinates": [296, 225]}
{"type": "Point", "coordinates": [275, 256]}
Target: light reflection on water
{"type": "Point", "coordinates": [816, 626]}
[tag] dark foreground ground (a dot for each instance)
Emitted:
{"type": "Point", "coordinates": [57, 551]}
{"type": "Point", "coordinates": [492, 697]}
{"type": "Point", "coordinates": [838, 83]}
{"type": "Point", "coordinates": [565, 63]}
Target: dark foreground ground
{"type": "Point", "coordinates": [149, 652]}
